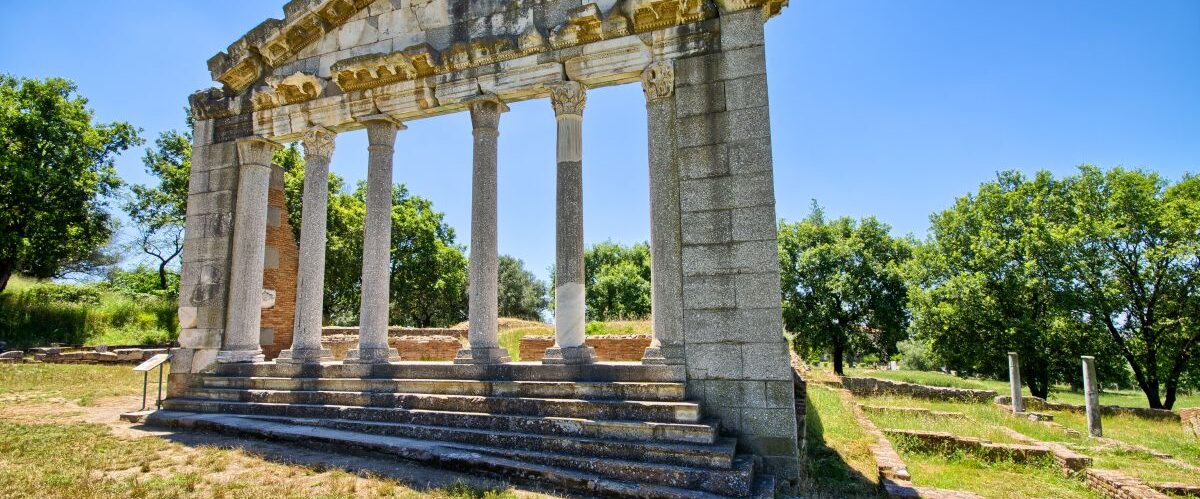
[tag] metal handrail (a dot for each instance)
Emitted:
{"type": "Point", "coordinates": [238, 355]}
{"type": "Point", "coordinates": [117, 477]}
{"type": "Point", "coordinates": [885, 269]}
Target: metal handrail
{"type": "Point", "coordinates": [159, 361]}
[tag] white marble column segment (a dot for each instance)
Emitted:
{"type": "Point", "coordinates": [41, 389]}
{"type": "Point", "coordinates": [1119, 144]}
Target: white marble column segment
{"type": "Point", "coordinates": [569, 99]}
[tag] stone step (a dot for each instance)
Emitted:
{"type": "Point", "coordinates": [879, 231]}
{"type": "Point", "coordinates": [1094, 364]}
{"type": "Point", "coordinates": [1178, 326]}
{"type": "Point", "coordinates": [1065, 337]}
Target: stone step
{"type": "Point", "coordinates": [518, 371]}
{"type": "Point", "coordinates": [717, 456]}
{"type": "Point", "coordinates": [661, 392]}
{"type": "Point", "coordinates": [664, 412]}
{"type": "Point", "coordinates": [617, 430]}
{"type": "Point", "coordinates": [596, 476]}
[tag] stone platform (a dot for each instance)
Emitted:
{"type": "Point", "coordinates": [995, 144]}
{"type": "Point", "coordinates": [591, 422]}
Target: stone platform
{"type": "Point", "coordinates": [611, 429]}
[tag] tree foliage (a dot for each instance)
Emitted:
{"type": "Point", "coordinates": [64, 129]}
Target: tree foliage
{"type": "Point", "coordinates": [56, 176]}
{"type": "Point", "coordinates": [522, 295]}
{"type": "Point", "coordinates": [158, 212]}
{"type": "Point", "coordinates": [617, 282]}
{"type": "Point", "coordinates": [1132, 257]}
{"type": "Point", "coordinates": [843, 289]}
{"type": "Point", "coordinates": [429, 270]}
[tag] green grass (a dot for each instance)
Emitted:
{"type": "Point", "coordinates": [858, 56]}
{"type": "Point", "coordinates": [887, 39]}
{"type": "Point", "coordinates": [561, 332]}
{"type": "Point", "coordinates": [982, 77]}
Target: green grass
{"type": "Point", "coordinates": [1060, 394]}
{"type": "Point", "coordinates": [82, 384]}
{"type": "Point", "coordinates": [511, 340]}
{"type": "Point", "coordinates": [968, 473]}
{"type": "Point", "coordinates": [1161, 435]}
{"type": "Point", "coordinates": [839, 461]}
{"type": "Point", "coordinates": [37, 314]}
{"type": "Point", "coordinates": [959, 427]}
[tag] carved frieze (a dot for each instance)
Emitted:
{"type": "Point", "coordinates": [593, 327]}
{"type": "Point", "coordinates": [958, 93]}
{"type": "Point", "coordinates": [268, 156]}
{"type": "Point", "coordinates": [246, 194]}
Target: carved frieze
{"type": "Point", "coordinates": [368, 71]}
{"type": "Point", "coordinates": [292, 89]}
{"type": "Point", "coordinates": [658, 81]}
{"type": "Point", "coordinates": [770, 8]}
{"type": "Point", "coordinates": [649, 15]}
{"type": "Point", "coordinates": [212, 104]}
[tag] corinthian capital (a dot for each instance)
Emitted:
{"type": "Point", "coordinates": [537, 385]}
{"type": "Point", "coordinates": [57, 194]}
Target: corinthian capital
{"type": "Point", "coordinates": [256, 151]}
{"type": "Point", "coordinates": [658, 81]}
{"type": "Point", "coordinates": [381, 129]}
{"type": "Point", "coordinates": [319, 143]}
{"type": "Point", "coordinates": [485, 112]}
{"type": "Point", "coordinates": [568, 97]}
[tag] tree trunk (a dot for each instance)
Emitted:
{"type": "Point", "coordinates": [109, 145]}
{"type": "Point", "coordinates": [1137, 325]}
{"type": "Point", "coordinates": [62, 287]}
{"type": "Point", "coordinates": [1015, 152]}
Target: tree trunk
{"type": "Point", "coordinates": [6, 269]}
{"type": "Point", "coordinates": [838, 352]}
{"type": "Point", "coordinates": [162, 276]}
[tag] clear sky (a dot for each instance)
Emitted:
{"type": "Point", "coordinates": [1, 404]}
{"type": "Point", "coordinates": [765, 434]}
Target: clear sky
{"type": "Point", "coordinates": [879, 107]}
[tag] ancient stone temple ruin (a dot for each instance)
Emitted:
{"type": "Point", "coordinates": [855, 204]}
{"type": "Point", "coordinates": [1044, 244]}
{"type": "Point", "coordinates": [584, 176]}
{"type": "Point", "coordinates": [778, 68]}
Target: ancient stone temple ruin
{"type": "Point", "coordinates": [708, 410]}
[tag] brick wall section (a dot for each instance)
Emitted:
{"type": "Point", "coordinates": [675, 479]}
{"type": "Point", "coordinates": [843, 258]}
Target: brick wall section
{"type": "Point", "coordinates": [1117, 485]}
{"type": "Point", "coordinates": [614, 348]}
{"type": "Point", "coordinates": [411, 348]}
{"type": "Point", "coordinates": [1191, 420]}
{"type": "Point", "coordinates": [399, 331]}
{"type": "Point", "coordinates": [279, 271]}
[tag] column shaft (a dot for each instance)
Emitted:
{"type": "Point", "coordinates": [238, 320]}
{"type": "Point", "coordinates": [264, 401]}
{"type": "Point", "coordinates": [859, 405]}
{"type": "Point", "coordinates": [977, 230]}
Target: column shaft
{"type": "Point", "coordinates": [569, 100]}
{"type": "Point", "coordinates": [1014, 382]}
{"type": "Point", "coordinates": [666, 237]}
{"type": "Point", "coordinates": [1091, 394]}
{"type": "Point", "coordinates": [243, 321]}
{"type": "Point", "coordinates": [373, 345]}
{"type": "Point", "coordinates": [484, 263]}
{"type": "Point", "coordinates": [310, 281]}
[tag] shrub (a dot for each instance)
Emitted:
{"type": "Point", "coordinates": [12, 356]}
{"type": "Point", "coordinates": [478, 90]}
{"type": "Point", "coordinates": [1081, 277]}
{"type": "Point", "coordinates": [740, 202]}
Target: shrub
{"type": "Point", "coordinates": [85, 314]}
{"type": "Point", "coordinates": [918, 355]}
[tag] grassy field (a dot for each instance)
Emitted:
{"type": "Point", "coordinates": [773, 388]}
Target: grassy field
{"type": "Point", "coordinates": [985, 420]}
{"type": "Point", "coordinates": [37, 313]}
{"type": "Point", "coordinates": [1061, 394]}
{"type": "Point", "coordinates": [51, 446]}
{"type": "Point", "coordinates": [839, 463]}
{"type": "Point", "coordinates": [994, 480]}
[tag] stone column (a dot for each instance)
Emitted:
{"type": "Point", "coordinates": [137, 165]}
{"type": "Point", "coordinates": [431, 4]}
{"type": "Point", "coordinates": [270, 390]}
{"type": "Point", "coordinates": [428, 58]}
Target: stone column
{"type": "Point", "coordinates": [244, 317]}
{"type": "Point", "coordinates": [1091, 394]}
{"type": "Point", "coordinates": [1014, 382]}
{"type": "Point", "coordinates": [373, 345]}
{"type": "Point", "coordinates": [666, 240]}
{"type": "Point", "coordinates": [484, 263]}
{"type": "Point", "coordinates": [310, 281]}
{"type": "Point", "coordinates": [569, 99]}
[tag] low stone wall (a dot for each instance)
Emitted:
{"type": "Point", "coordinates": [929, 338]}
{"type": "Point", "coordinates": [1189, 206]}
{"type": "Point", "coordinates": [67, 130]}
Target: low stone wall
{"type": "Point", "coordinates": [1040, 404]}
{"type": "Point", "coordinates": [1177, 489]}
{"type": "Point", "coordinates": [1191, 420]}
{"type": "Point", "coordinates": [99, 355]}
{"type": "Point", "coordinates": [912, 412]}
{"type": "Point", "coordinates": [947, 443]}
{"type": "Point", "coordinates": [460, 333]}
{"type": "Point", "coordinates": [867, 387]}
{"type": "Point", "coordinates": [413, 348]}
{"type": "Point", "coordinates": [1118, 485]}
{"type": "Point", "coordinates": [609, 348]}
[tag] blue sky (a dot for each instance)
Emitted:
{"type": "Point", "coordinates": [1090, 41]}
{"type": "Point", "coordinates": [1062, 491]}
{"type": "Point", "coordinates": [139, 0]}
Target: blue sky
{"type": "Point", "coordinates": [879, 107]}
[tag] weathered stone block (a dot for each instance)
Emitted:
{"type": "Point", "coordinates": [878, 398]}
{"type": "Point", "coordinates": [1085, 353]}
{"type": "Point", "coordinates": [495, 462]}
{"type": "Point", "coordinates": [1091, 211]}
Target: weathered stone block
{"type": "Point", "coordinates": [780, 394]}
{"type": "Point", "coordinates": [741, 326]}
{"type": "Point", "coordinates": [706, 194]}
{"type": "Point", "coordinates": [719, 361]}
{"type": "Point", "coordinates": [750, 156]}
{"type": "Point", "coordinates": [702, 130]}
{"type": "Point", "coordinates": [767, 423]}
{"type": "Point", "coordinates": [758, 290]}
{"type": "Point", "coordinates": [756, 223]}
{"type": "Point", "coordinates": [746, 93]}
{"type": "Point", "coordinates": [187, 317]}
{"type": "Point", "coordinates": [754, 394]}
{"type": "Point", "coordinates": [709, 292]}
{"type": "Point", "coordinates": [708, 259]}
{"type": "Point", "coordinates": [700, 99]}
{"type": "Point", "coordinates": [767, 361]}
{"type": "Point", "coordinates": [747, 124]}
{"type": "Point", "coordinates": [724, 392]}
{"type": "Point", "coordinates": [200, 338]}
{"type": "Point", "coordinates": [755, 256]}
{"type": "Point", "coordinates": [741, 29]}
{"type": "Point", "coordinates": [222, 179]}
{"type": "Point", "coordinates": [707, 227]}
{"type": "Point", "coordinates": [703, 161]}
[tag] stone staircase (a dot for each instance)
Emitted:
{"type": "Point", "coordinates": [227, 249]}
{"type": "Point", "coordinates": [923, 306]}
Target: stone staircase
{"type": "Point", "coordinates": [615, 429]}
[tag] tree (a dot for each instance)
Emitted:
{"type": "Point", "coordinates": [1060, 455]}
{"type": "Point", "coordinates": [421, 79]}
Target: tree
{"type": "Point", "coordinates": [990, 280]}
{"type": "Point", "coordinates": [618, 281]}
{"type": "Point", "coordinates": [1133, 253]}
{"type": "Point", "coordinates": [159, 212]}
{"type": "Point", "coordinates": [522, 295]}
{"type": "Point", "coordinates": [429, 271]}
{"type": "Point", "coordinates": [843, 288]}
{"type": "Point", "coordinates": [57, 176]}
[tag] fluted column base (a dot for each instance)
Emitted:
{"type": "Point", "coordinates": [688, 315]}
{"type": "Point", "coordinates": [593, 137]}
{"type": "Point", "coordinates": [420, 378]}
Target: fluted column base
{"type": "Point", "coordinates": [372, 356]}
{"type": "Point", "coordinates": [486, 355]}
{"type": "Point", "coordinates": [570, 356]}
{"type": "Point", "coordinates": [304, 356]}
{"type": "Point", "coordinates": [664, 355]}
{"type": "Point", "coordinates": [240, 356]}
